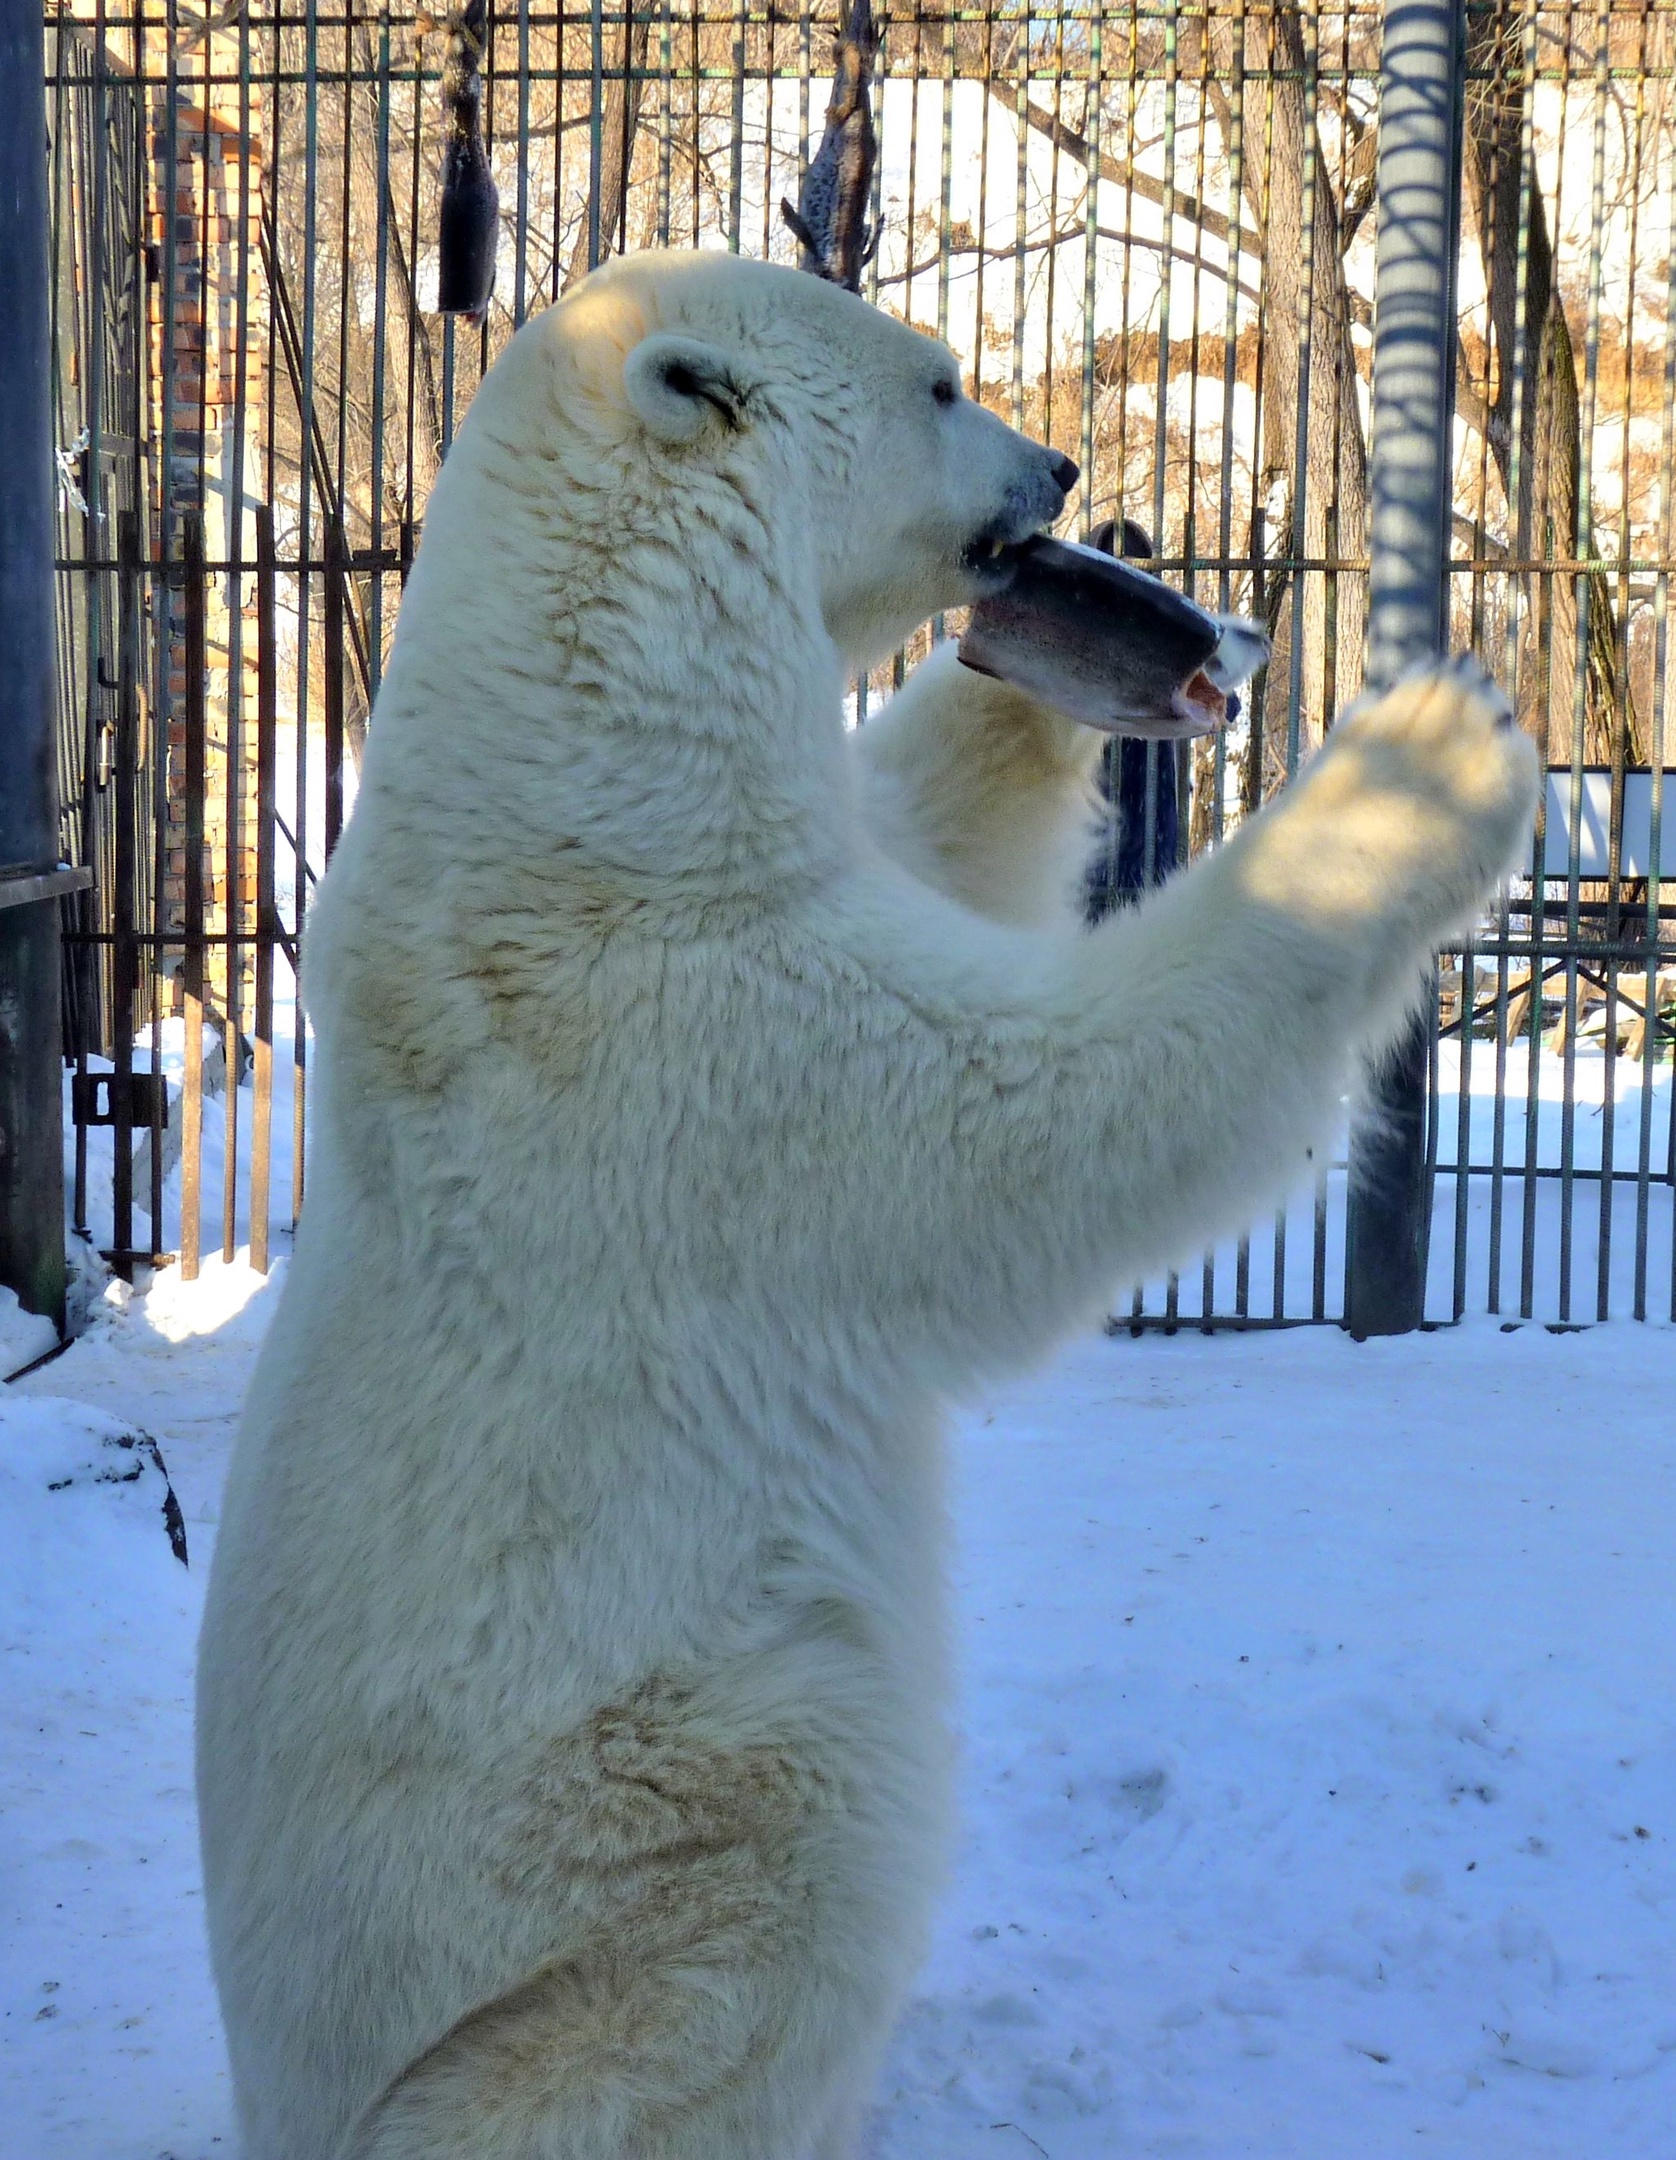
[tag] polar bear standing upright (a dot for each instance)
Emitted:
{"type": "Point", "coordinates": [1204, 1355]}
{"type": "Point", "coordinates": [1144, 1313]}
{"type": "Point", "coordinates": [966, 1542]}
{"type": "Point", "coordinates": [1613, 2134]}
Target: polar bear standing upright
{"type": "Point", "coordinates": [706, 1098]}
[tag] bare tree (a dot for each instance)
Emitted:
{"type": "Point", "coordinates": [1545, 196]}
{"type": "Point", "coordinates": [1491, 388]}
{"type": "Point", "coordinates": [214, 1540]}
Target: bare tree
{"type": "Point", "coordinates": [1528, 320]}
{"type": "Point", "coordinates": [1317, 504]}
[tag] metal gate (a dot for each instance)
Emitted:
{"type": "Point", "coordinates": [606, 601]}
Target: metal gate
{"type": "Point", "coordinates": [1148, 231]}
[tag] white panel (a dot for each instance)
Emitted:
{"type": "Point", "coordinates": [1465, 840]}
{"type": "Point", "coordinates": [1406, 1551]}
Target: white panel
{"type": "Point", "coordinates": [1595, 826]}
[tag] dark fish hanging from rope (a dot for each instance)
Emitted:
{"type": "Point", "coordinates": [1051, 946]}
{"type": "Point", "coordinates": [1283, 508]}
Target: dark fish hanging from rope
{"type": "Point", "coordinates": [831, 215]}
{"type": "Point", "coordinates": [468, 226]}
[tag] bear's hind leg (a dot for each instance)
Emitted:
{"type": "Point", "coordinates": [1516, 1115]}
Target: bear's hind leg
{"type": "Point", "coordinates": [705, 2059]}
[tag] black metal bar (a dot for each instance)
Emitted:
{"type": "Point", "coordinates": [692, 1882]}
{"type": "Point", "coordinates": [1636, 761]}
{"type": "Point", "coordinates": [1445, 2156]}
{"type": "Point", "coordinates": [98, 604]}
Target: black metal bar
{"type": "Point", "coordinates": [20, 888]}
{"type": "Point", "coordinates": [267, 810]}
{"type": "Point", "coordinates": [31, 1146]}
{"type": "Point", "coordinates": [1422, 74]}
{"type": "Point", "coordinates": [192, 879]}
{"type": "Point", "coordinates": [336, 586]}
{"type": "Point", "coordinates": [124, 882]}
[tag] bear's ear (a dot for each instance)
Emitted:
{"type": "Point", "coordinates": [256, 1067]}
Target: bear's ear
{"type": "Point", "coordinates": [679, 386]}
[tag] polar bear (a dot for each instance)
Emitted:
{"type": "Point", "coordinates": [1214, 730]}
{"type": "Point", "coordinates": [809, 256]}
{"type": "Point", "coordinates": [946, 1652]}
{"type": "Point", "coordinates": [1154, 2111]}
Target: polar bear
{"type": "Point", "coordinates": [706, 1099]}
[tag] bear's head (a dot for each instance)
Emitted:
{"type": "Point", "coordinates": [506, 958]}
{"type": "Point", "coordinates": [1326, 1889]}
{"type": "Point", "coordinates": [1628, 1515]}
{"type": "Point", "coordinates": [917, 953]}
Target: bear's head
{"type": "Point", "coordinates": [680, 504]}
{"type": "Point", "coordinates": [776, 413]}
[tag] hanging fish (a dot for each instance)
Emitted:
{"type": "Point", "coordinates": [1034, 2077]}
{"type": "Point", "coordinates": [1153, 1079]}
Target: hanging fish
{"type": "Point", "coordinates": [468, 226]}
{"type": "Point", "coordinates": [831, 215]}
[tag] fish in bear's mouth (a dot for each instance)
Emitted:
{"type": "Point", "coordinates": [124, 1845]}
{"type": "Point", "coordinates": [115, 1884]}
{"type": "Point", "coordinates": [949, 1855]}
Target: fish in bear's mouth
{"type": "Point", "coordinates": [1105, 642]}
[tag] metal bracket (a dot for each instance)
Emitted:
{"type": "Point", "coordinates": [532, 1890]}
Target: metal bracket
{"type": "Point", "coordinates": [97, 1098]}
{"type": "Point", "coordinates": [19, 887]}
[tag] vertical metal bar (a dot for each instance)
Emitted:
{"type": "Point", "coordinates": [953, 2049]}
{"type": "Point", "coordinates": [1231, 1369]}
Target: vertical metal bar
{"type": "Point", "coordinates": [1463, 1124]}
{"type": "Point", "coordinates": [31, 1119]}
{"type": "Point", "coordinates": [736, 143]}
{"type": "Point", "coordinates": [1051, 297]}
{"type": "Point", "coordinates": [124, 881]}
{"type": "Point", "coordinates": [1090, 261]}
{"type": "Point", "coordinates": [770, 90]}
{"type": "Point", "coordinates": [1021, 210]}
{"type": "Point", "coordinates": [1264, 456]}
{"type": "Point", "coordinates": [1235, 149]}
{"type": "Point", "coordinates": [985, 100]}
{"type": "Point", "coordinates": [945, 179]}
{"type": "Point", "coordinates": [1422, 70]}
{"type": "Point", "coordinates": [666, 113]}
{"type": "Point", "coordinates": [909, 215]}
{"type": "Point", "coordinates": [1620, 745]}
{"type": "Point", "coordinates": [163, 605]}
{"type": "Point", "coordinates": [1299, 542]}
{"type": "Point", "coordinates": [192, 1082]}
{"type": "Point", "coordinates": [1664, 527]}
{"type": "Point", "coordinates": [696, 79]}
{"type": "Point", "coordinates": [1582, 609]}
{"type": "Point", "coordinates": [1531, 544]}
{"type": "Point", "coordinates": [234, 423]}
{"type": "Point", "coordinates": [521, 230]}
{"type": "Point", "coordinates": [1160, 437]}
{"type": "Point", "coordinates": [337, 574]}
{"type": "Point", "coordinates": [92, 280]}
{"type": "Point", "coordinates": [261, 1138]}
{"type": "Point", "coordinates": [1574, 818]}
{"type": "Point", "coordinates": [414, 146]}
{"type": "Point", "coordinates": [596, 119]}
{"type": "Point", "coordinates": [60, 335]}
{"type": "Point", "coordinates": [305, 615]}
{"type": "Point", "coordinates": [1583, 587]}
{"type": "Point", "coordinates": [380, 343]}
{"type": "Point", "coordinates": [1510, 646]}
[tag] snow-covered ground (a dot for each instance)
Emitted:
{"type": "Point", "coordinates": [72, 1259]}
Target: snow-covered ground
{"type": "Point", "coordinates": [1320, 1739]}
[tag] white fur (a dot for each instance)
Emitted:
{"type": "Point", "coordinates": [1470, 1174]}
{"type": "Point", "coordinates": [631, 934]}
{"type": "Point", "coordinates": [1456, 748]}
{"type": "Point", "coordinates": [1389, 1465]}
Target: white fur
{"type": "Point", "coordinates": [571, 1760]}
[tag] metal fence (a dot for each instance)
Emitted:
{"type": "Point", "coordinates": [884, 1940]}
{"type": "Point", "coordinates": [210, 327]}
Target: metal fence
{"type": "Point", "coordinates": [1148, 231]}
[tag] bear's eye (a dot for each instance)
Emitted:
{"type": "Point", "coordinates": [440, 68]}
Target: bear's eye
{"type": "Point", "coordinates": [944, 391]}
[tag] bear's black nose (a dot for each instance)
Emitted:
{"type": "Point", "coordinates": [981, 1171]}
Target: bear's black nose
{"type": "Point", "coordinates": [1066, 472]}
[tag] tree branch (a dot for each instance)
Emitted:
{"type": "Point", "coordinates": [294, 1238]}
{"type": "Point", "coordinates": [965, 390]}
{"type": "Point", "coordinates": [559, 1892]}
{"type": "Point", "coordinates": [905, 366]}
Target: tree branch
{"type": "Point", "coordinates": [1078, 147]}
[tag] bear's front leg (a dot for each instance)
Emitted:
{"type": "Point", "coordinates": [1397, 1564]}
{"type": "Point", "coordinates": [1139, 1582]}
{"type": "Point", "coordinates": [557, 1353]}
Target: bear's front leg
{"type": "Point", "coordinates": [1101, 1105]}
{"type": "Point", "coordinates": [983, 792]}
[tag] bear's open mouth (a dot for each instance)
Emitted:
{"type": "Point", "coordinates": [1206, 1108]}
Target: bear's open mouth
{"type": "Point", "coordinates": [989, 554]}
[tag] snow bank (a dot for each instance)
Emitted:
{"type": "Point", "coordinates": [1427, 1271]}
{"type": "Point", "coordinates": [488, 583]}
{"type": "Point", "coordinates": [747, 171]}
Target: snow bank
{"type": "Point", "coordinates": [24, 1336]}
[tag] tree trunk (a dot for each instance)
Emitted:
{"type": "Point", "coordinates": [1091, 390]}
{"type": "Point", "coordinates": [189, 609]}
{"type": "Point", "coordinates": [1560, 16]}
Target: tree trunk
{"type": "Point", "coordinates": [1333, 497]}
{"type": "Point", "coordinates": [1544, 524]}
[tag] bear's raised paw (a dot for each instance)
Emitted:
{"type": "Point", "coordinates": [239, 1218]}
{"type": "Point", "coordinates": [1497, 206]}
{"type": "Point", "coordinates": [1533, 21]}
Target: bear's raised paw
{"type": "Point", "coordinates": [1445, 734]}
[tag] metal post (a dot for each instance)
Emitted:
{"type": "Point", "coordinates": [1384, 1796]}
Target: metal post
{"type": "Point", "coordinates": [1421, 98]}
{"type": "Point", "coordinates": [31, 1120]}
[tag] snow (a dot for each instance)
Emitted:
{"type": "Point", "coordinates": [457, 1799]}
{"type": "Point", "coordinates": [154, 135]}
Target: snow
{"type": "Point", "coordinates": [24, 1336]}
{"type": "Point", "coordinates": [1319, 1715]}
{"type": "Point", "coordinates": [1318, 1698]}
